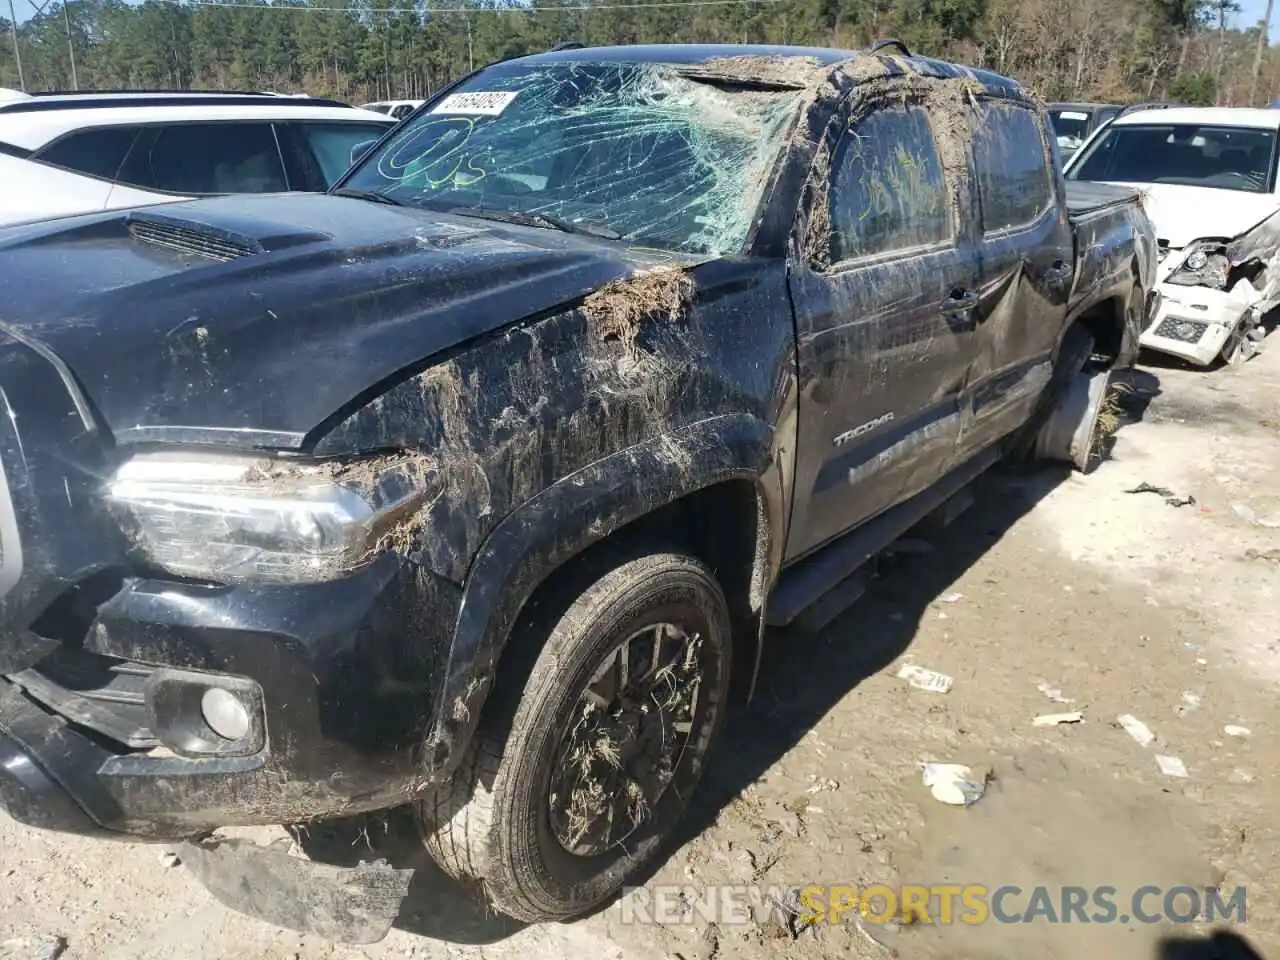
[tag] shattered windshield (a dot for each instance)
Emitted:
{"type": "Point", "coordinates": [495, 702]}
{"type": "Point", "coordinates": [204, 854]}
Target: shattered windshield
{"type": "Point", "coordinates": [634, 150]}
{"type": "Point", "coordinates": [1197, 155]}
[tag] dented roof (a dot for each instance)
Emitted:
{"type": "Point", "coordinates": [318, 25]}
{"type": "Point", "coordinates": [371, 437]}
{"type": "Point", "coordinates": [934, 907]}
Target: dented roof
{"type": "Point", "coordinates": [696, 54]}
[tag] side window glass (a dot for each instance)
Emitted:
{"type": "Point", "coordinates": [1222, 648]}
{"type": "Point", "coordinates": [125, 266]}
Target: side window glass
{"type": "Point", "coordinates": [97, 152]}
{"type": "Point", "coordinates": [331, 144]}
{"type": "Point", "coordinates": [203, 158]}
{"type": "Point", "coordinates": [1014, 177]}
{"type": "Point", "coordinates": [887, 187]}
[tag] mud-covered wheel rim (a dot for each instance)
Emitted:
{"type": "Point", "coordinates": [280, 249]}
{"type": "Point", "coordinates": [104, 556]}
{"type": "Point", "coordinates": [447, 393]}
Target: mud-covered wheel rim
{"type": "Point", "coordinates": [625, 738]}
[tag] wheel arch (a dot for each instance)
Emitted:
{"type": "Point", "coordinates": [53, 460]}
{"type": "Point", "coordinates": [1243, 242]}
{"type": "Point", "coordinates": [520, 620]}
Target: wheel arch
{"type": "Point", "coordinates": [1112, 322]}
{"type": "Point", "coordinates": [720, 473]}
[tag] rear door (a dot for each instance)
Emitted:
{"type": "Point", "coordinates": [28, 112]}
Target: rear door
{"type": "Point", "coordinates": [1027, 266]}
{"type": "Point", "coordinates": [885, 325]}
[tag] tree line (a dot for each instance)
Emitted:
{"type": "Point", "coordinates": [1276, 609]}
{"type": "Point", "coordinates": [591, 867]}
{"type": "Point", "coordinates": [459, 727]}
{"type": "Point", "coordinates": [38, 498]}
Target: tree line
{"type": "Point", "coordinates": [1117, 51]}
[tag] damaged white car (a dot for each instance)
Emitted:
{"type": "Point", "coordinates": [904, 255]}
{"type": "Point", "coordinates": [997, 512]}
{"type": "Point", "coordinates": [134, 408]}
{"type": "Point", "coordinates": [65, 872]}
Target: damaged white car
{"type": "Point", "coordinates": [1208, 179]}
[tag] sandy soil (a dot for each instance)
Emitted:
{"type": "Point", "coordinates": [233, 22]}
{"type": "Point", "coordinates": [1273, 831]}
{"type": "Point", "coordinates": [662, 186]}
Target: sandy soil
{"type": "Point", "coordinates": [1127, 604]}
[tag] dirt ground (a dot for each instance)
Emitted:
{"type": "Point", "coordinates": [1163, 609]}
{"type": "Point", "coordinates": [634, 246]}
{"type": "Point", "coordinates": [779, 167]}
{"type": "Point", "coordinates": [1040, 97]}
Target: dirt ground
{"type": "Point", "coordinates": [1124, 602]}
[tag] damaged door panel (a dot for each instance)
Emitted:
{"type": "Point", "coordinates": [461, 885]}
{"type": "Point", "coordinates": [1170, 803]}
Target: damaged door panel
{"type": "Point", "coordinates": [886, 318]}
{"type": "Point", "coordinates": [475, 481]}
{"type": "Point", "coordinates": [1027, 268]}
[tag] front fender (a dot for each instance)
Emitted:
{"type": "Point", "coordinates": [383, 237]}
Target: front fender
{"type": "Point", "coordinates": [572, 515]}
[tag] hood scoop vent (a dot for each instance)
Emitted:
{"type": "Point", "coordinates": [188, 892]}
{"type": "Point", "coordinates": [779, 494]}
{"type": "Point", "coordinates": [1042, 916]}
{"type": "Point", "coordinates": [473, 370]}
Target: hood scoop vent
{"type": "Point", "coordinates": [192, 239]}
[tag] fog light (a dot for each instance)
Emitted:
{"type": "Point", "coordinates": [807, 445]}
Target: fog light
{"type": "Point", "coordinates": [225, 714]}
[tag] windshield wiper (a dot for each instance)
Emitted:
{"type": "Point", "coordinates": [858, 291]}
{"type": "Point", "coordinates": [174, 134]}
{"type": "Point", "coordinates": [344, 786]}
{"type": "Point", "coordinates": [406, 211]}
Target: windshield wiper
{"type": "Point", "coordinates": [543, 220]}
{"type": "Point", "coordinates": [371, 195]}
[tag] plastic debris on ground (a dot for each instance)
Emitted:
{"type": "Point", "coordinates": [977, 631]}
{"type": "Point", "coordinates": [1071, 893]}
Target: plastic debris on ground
{"type": "Point", "coordinates": [1231, 730]}
{"type": "Point", "coordinates": [954, 783]}
{"type": "Point", "coordinates": [1056, 719]}
{"type": "Point", "coordinates": [1171, 766]}
{"type": "Point", "coordinates": [1190, 702]}
{"type": "Point", "coordinates": [1249, 515]}
{"type": "Point", "coordinates": [41, 948]}
{"type": "Point", "coordinates": [1053, 693]}
{"type": "Point", "coordinates": [823, 785]}
{"type": "Point", "coordinates": [1140, 732]}
{"type": "Point", "coordinates": [924, 679]}
{"type": "Point", "coordinates": [953, 598]}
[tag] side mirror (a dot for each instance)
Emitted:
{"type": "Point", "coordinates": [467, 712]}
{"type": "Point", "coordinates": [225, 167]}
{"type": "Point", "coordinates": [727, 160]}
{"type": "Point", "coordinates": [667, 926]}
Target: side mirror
{"type": "Point", "coordinates": [360, 149]}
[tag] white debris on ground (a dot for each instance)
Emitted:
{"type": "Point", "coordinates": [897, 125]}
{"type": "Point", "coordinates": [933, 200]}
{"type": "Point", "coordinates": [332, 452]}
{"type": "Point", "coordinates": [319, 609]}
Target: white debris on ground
{"type": "Point", "coordinates": [924, 679]}
{"type": "Point", "coordinates": [1140, 732]}
{"type": "Point", "coordinates": [954, 783]}
{"type": "Point", "coordinates": [1057, 719]}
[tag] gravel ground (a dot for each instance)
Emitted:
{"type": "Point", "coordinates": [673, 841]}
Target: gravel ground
{"type": "Point", "coordinates": [1123, 602]}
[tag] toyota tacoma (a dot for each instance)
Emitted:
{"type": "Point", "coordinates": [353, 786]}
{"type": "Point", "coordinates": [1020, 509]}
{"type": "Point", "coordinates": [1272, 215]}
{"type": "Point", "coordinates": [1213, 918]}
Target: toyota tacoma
{"type": "Point", "coordinates": [471, 485]}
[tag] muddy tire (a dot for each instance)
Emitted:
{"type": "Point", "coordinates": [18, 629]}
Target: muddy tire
{"type": "Point", "coordinates": [502, 821]}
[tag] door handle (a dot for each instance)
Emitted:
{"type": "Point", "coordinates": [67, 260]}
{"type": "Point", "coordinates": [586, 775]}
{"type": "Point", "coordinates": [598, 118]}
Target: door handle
{"type": "Point", "coordinates": [959, 309]}
{"type": "Point", "coordinates": [1058, 272]}
{"type": "Point", "coordinates": [960, 301]}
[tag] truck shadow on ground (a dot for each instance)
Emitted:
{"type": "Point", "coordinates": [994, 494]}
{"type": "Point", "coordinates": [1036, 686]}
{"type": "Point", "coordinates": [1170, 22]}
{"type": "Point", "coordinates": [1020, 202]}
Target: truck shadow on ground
{"type": "Point", "coordinates": [1220, 945]}
{"type": "Point", "coordinates": [803, 676]}
{"type": "Point", "coordinates": [436, 906]}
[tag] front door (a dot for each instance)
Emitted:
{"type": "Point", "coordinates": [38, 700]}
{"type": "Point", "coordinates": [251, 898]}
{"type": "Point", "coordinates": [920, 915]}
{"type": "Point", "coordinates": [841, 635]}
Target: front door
{"type": "Point", "coordinates": [886, 332]}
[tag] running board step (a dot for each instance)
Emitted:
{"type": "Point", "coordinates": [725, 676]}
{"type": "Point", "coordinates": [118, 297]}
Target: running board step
{"type": "Point", "coordinates": [807, 582]}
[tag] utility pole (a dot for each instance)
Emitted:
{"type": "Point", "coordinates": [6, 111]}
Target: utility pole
{"type": "Point", "coordinates": [1263, 32]}
{"type": "Point", "coordinates": [71, 48]}
{"type": "Point", "coordinates": [17, 54]}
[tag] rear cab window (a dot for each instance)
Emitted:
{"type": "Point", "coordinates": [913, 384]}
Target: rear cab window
{"type": "Point", "coordinates": [196, 159]}
{"type": "Point", "coordinates": [1014, 172]}
{"type": "Point", "coordinates": [888, 192]}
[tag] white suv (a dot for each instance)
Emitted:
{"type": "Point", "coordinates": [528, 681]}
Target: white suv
{"type": "Point", "coordinates": [62, 154]}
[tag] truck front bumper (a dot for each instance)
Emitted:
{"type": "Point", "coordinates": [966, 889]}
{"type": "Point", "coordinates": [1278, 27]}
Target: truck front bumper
{"type": "Point", "coordinates": [337, 686]}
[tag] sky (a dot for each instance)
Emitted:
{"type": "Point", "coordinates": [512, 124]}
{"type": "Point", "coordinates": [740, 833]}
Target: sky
{"type": "Point", "coordinates": [1251, 12]}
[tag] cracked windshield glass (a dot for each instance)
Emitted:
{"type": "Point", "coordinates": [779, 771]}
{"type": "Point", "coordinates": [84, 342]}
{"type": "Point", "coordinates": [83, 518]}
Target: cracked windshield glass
{"type": "Point", "coordinates": [637, 151]}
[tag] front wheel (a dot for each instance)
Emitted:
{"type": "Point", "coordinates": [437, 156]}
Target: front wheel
{"type": "Point", "coordinates": [1245, 341]}
{"type": "Point", "coordinates": [556, 807]}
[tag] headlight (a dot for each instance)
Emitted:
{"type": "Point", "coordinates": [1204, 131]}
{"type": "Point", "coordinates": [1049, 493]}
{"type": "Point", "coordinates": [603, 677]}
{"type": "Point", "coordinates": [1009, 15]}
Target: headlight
{"type": "Point", "coordinates": [1204, 265]}
{"type": "Point", "coordinates": [230, 518]}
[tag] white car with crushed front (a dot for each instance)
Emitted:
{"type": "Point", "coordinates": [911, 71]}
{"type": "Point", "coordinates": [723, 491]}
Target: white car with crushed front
{"type": "Point", "coordinates": [1208, 180]}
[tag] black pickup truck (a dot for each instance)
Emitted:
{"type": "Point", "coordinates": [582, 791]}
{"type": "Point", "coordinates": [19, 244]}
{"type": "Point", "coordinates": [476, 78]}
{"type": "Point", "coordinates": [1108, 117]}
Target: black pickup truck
{"type": "Point", "coordinates": [473, 483]}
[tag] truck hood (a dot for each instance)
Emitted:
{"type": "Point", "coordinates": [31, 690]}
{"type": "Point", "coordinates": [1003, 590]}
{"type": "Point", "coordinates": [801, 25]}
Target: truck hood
{"type": "Point", "coordinates": [252, 320]}
{"type": "Point", "coordinates": [1183, 214]}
